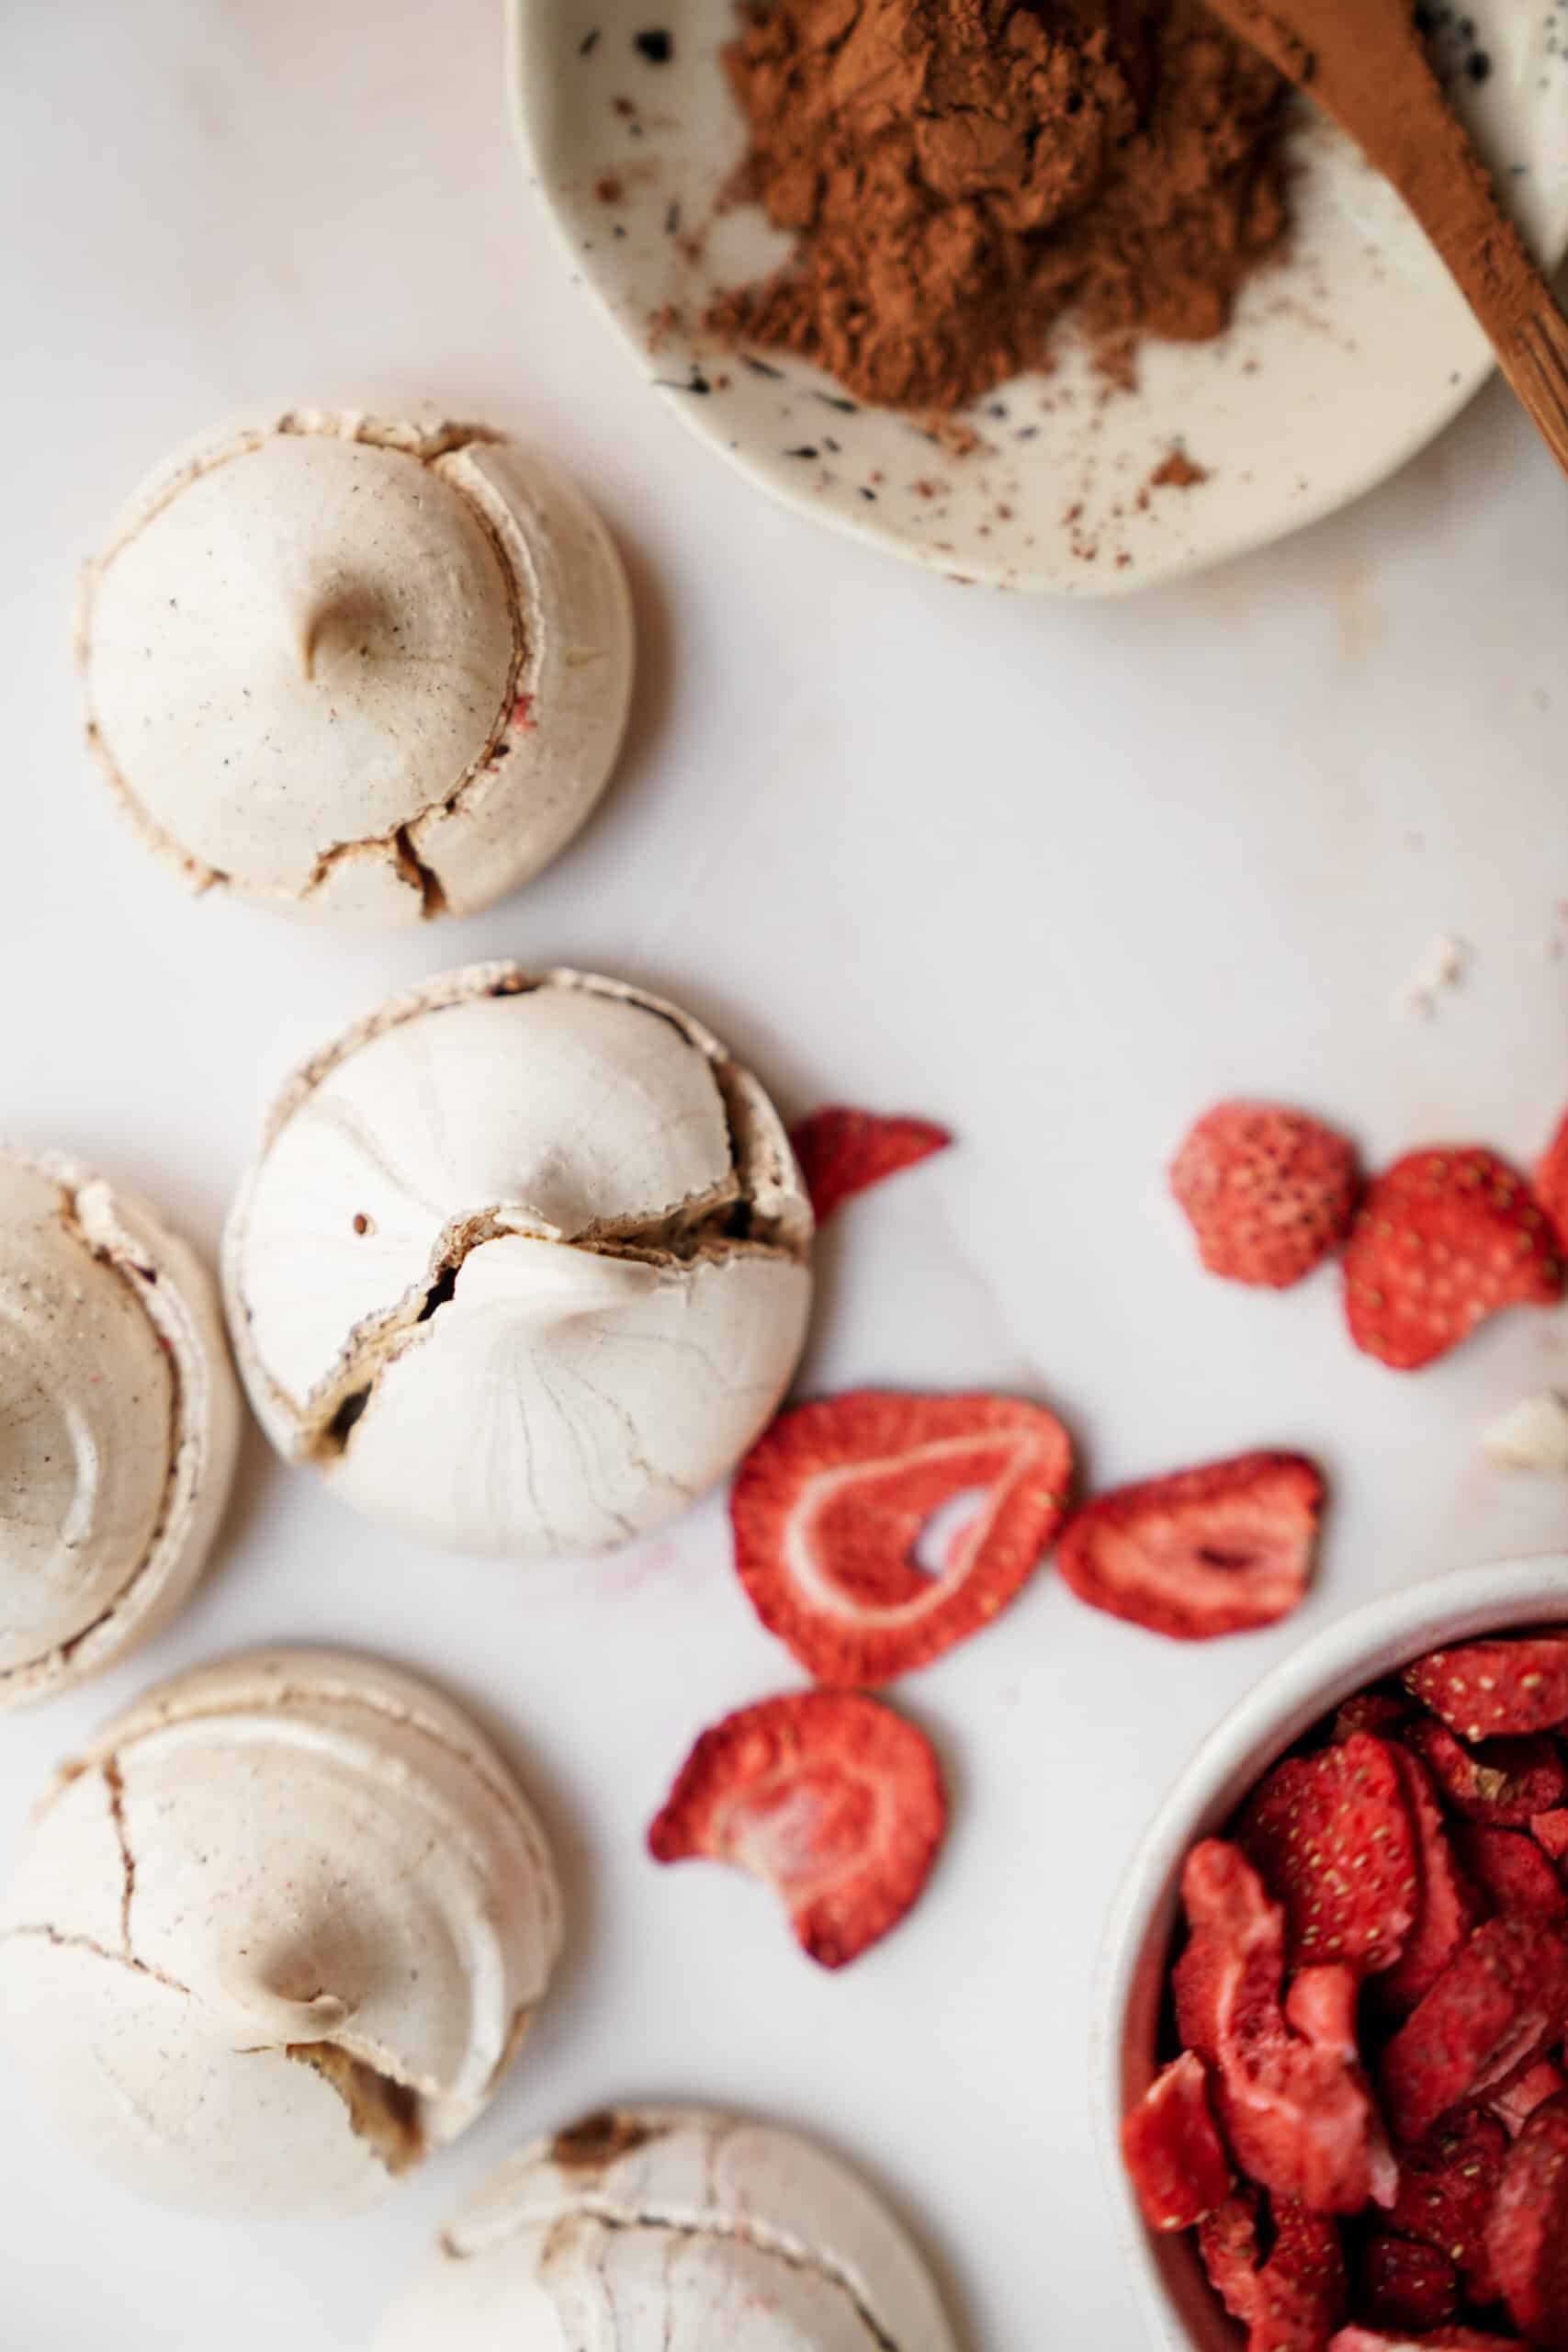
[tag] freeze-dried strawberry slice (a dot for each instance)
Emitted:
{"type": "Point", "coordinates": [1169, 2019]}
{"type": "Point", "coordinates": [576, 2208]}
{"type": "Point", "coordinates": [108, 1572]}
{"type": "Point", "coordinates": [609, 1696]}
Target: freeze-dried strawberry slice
{"type": "Point", "coordinates": [1483, 1689]}
{"type": "Point", "coordinates": [1515, 2104]}
{"type": "Point", "coordinates": [1380, 1712]}
{"type": "Point", "coordinates": [1443, 1239]}
{"type": "Point", "coordinates": [828, 1796]}
{"type": "Point", "coordinates": [1551, 1181]}
{"type": "Point", "coordinates": [1494, 2009]}
{"type": "Point", "coordinates": [1173, 2148]}
{"type": "Point", "coordinates": [1294, 2300]}
{"type": "Point", "coordinates": [1227, 2241]}
{"type": "Point", "coordinates": [1217, 1550]}
{"type": "Point", "coordinates": [1528, 2234]}
{"type": "Point", "coordinates": [1292, 2100]}
{"type": "Point", "coordinates": [1550, 1831]}
{"type": "Point", "coordinates": [842, 1152]}
{"type": "Point", "coordinates": [1407, 2285]}
{"type": "Point", "coordinates": [1330, 1835]}
{"type": "Point", "coordinates": [1503, 1783]}
{"type": "Point", "coordinates": [1510, 1870]}
{"type": "Point", "coordinates": [1446, 1910]}
{"type": "Point", "coordinates": [1268, 1191]}
{"type": "Point", "coordinates": [829, 1505]}
{"type": "Point", "coordinates": [1446, 2183]}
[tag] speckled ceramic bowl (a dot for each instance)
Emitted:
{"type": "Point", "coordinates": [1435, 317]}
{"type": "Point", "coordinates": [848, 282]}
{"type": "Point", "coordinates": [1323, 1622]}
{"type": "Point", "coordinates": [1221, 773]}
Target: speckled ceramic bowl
{"type": "Point", "coordinates": [1182, 2311]}
{"type": "Point", "coordinates": [1342, 362]}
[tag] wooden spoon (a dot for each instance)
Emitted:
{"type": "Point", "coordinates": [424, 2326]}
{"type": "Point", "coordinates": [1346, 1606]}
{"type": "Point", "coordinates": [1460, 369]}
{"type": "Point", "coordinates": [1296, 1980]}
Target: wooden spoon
{"type": "Point", "coordinates": [1366, 65]}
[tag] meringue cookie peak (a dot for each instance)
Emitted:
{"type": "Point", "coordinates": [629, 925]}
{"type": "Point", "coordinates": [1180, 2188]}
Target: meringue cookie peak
{"type": "Point", "coordinates": [521, 1266]}
{"type": "Point", "coordinates": [118, 1423]}
{"type": "Point", "coordinates": [664, 2230]}
{"type": "Point", "coordinates": [277, 1933]}
{"type": "Point", "coordinates": [353, 667]}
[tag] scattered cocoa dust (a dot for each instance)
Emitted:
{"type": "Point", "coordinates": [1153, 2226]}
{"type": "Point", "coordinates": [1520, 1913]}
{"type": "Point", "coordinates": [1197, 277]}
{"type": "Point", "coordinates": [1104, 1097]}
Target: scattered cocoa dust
{"type": "Point", "coordinates": [960, 174]}
{"type": "Point", "coordinates": [1177, 471]}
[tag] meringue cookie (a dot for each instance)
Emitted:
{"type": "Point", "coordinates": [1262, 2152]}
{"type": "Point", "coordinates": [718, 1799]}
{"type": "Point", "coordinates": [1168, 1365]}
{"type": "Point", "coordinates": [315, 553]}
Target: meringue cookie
{"type": "Point", "coordinates": [1532, 1434]}
{"type": "Point", "coordinates": [120, 1420]}
{"type": "Point", "coordinates": [367, 669]}
{"type": "Point", "coordinates": [665, 2231]}
{"type": "Point", "coordinates": [521, 1266]}
{"type": "Point", "coordinates": [276, 1934]}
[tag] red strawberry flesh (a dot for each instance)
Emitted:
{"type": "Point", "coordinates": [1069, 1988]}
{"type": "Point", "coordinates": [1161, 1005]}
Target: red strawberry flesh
{"type": "Point", "coordinates": [1331, 1836]}
{"type": "Point", "coordinates": [1446, 1910]}
{"type": "Point", "coordinates": [1552, 1181]}
{"type": "Point", "coordinates": [1292, 2100]}
{"type": "Point", "coordinates": [1443, 1239]}
{"type": "Point", "coordinates": [1221, 1549]}
{"type": "Point", "coordinates": [1515, 2104]}
{"type": "Point", "coordinates": [843, 1151]}
{"type": "Point", "coordinates": [1509, 1871]}
{"type": "Point", "coordinates": [1502, 1783]}
{"type": "Point", "coordinates": [1266, 1191]}
{"type": "Point", "coordinates": [825, 1795]}
{"type": "Point", "coordinates": [1446, 2183]}
{"type": "Point", "coordinates": [1173, 2148]}
{"type": "Point", "coordinates": [1408, 2286]}
{"type": "Point", "coordinates": [1527, 2235]}
{"type": "Point", "coordinates": [1491, 2013]}
{"type": "Point", "coordinates": [829, 1506]}
{"type": "Point", "coordinates": [1484, 1689]}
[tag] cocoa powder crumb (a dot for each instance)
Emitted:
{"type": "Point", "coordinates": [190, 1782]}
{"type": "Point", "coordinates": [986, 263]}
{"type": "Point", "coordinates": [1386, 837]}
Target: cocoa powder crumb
{"type": "Point", "coordinates": [1177, 471]}
{"type": "Point", "coordinates": [609, 190]}
{"type": "Point", "coordinates": [960, 175]}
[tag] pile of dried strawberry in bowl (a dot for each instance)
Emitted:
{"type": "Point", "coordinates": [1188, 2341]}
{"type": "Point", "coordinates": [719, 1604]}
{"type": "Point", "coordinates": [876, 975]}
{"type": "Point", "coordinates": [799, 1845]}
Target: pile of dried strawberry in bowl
{"type": "Point", "coordinates": [1330, 2054]}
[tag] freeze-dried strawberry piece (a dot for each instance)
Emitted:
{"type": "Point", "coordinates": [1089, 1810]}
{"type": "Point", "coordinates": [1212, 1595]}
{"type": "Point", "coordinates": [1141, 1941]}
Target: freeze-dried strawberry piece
{"type": "Point", "coordinates": [828, 1506]}
{"type": "Point", "coordinates": [1503, 1783]}
{"type": "Point", "coordinates": [1510, 1870]}
{"type": "Point", "coordinates": [1515, 2104]}
{"type": "Point", "coordinates": [842, 1152]}
{"type": "Point", "coordinates": [1550, 1831]}
{"type": "Point", "coordinates": [1494, 2009]}
{"type": "Point", "coordinates": [1217, 1550]}
{"type": "Point", "coordinates": [1445, 1238]}
{"type": "Point", "coordinates": [829, 1798]}
{"type": "Point", "coordinates": [1528, 2234]}
{"type": "Point", "coordinates": [1446, 2185]}
{"type": "Point", "coordinates": [1286, 2082]}
{"type": "Point", "coordinates": [1407, 2285]}
{"type": "Point", "coordinates": [1446, 1910]}
{"type": "Point", "coordinates": [1331, 1836]}
{"type": "Point", "coordinates": [1173, 2148]}
{"type": "Point", "coordinates": [1551, 1181]}
{"type": "Point", "coordinates": [1483, 1689]}
{"type": "Point", "coordinates": [1227, 2241]}
{"type": "Point", "coordinates": [1267, 1191]}
{"type": "Point", "coordinates": [1294, 2300]}
{"type": "Point", "coordinates": [1378, 1712]}
{"type": "Point", "coordinates": [1441, 2339]}
{"type": "Point", "coordinates": [1301, 2287]}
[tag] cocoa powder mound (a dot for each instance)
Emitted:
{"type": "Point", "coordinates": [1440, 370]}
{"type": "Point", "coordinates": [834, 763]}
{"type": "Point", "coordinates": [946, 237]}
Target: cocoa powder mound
{"type": "Point", "coordinates": [960, 174]}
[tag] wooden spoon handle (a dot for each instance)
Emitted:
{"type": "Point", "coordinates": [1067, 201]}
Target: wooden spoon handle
{"type": "Point", "coordinates": [1535, 360]}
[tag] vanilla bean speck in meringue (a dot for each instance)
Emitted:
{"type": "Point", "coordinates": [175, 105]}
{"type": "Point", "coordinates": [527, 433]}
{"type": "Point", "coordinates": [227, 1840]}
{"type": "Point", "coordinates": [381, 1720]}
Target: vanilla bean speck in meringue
{"type": "Point", "coordinates": [523, 1265]}
{"type": "Point", "coordinates": [120, 1420]}
{"type": "Point", "coordinates": [666, 2230]}
{"type": "Point", "coordinates": [358, 668]}
{"type": "Point", "coordinates": [276, 1934]}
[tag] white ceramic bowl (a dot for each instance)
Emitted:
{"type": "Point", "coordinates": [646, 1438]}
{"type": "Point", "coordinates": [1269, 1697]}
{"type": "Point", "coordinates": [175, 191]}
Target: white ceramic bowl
{"type": "Point", "coordinates": [1181, 2309]}
{"type": "Point", "coordinates": [1342, 363]}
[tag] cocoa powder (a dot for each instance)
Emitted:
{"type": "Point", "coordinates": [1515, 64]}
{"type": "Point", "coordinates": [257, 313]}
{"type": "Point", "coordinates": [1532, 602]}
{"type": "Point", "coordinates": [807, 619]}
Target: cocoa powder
{"type": "Point", "coordinates": [962, 174]}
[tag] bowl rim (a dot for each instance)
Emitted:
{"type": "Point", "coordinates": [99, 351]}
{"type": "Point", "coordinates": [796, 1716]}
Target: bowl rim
{"type": "Point", "coordinates": [1361, 1646]}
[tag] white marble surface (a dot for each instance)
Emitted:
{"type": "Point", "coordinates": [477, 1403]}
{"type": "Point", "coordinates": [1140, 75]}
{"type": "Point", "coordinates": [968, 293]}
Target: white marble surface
{"type": "Point", "coordinates": [1056, 876]}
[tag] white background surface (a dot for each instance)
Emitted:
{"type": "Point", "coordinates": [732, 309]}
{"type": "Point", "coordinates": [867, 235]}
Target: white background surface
{"type": "Point", "coordinates": [1057, 875]}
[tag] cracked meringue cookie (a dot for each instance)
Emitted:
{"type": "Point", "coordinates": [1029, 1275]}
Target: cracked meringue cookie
{"type": "Point", "coordinates": [671, 2230]}
{"type": "Point", "coordinates": [355, 668]}
{"type": "Point", "coordinates": [522, 1266]}
{"type": "Point", "coordinates": [276, 1934]}
{"type": "Point", "coordinates": [120, 1420]}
